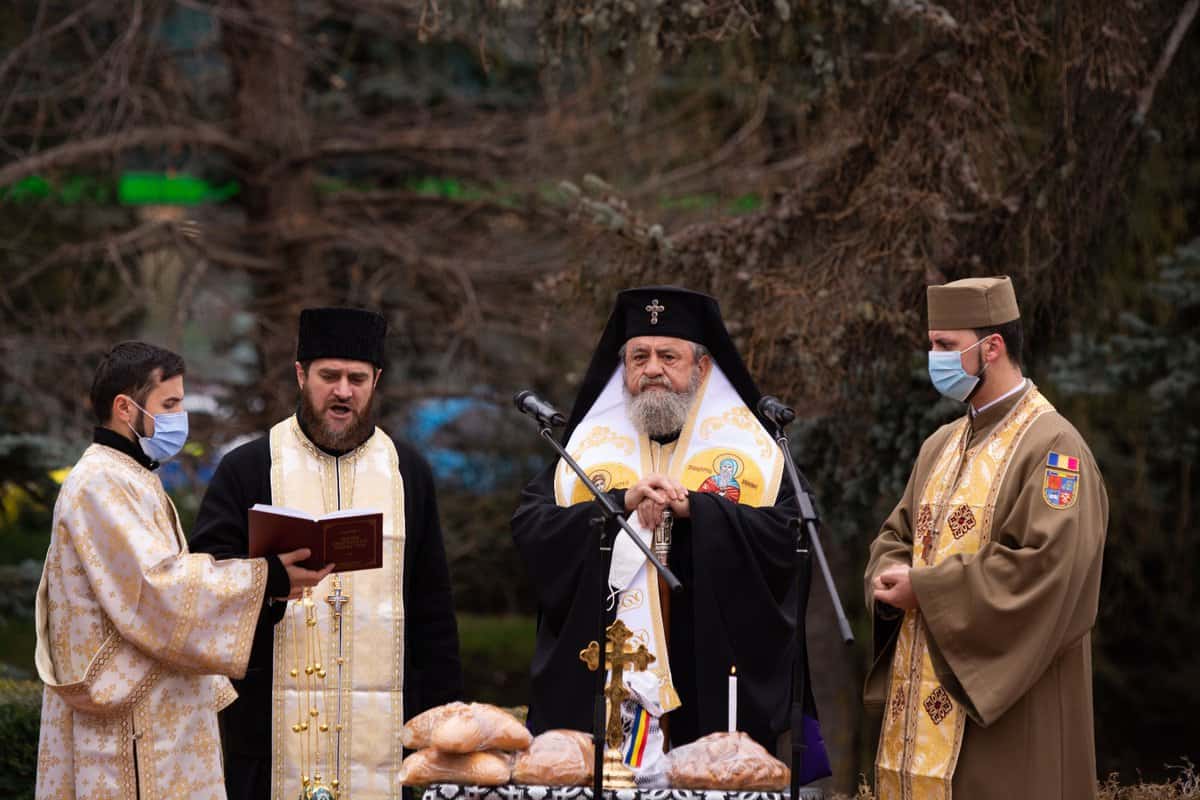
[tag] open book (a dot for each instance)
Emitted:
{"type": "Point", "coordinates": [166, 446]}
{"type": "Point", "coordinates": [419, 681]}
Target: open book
{"type": "Point", "coordinates": [352, 538]}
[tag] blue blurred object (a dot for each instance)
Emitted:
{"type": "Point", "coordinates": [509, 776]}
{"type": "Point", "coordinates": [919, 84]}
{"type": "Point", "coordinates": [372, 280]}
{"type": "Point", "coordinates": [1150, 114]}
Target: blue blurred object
{"type": "Point", "coordinates": [175, 478]}
{"type": "Point", "coordinates": [430, 431]}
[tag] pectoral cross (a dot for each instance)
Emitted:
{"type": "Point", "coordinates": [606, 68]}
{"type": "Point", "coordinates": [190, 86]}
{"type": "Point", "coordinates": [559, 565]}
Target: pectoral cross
{"type": "Point", "coordinates": [618, 655]}
{"type": "Point", "coordinates": [655, 308]}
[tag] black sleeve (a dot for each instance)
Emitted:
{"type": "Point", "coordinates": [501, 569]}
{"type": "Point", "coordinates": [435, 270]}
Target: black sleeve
{"type": "Point", "coordinates": [553, 542]}
{"type": "Point", "coordinates": [242, 479]}
{"type": "Point", "coordinates": [557, 546]}
{"type": "Point", "coordinates": [434, 672]}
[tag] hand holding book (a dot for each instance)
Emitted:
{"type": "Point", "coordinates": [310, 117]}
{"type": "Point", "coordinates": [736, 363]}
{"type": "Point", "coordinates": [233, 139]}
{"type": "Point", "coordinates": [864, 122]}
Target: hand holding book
{"type": "Point", "coordinates": [352, 538]}
{"type": "Point", "coordinates": [300, 577]}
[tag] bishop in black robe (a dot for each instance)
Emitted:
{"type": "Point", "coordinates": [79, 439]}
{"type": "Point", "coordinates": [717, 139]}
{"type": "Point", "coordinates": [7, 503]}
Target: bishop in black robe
{"type": "Point", "coordinates": [736, 564]}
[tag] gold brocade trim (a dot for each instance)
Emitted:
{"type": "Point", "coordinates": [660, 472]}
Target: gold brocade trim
{"type": "Point", "coordinates": [602, 434]}
{"type": "Point", "coordinates": [224, 695]}
{"type": "Point", "coordinates": [400, 523]}
{"type": "Point", "coordinates": [740, 417]}
{"type": "Point", "coordinates": [128, 758]}
{"type": "Point", "coordinates": [247, 623]}
{"type": "Point", "coordinates": [183, 630]}
{"type": "Point", "coordinates": [278, 723]}
{"type": "Point", "coordinates": [918, 753]}
{"type": "Point", "coordinates": [147, 764]}
{"type": "Point", "coordinates": [70, 692]}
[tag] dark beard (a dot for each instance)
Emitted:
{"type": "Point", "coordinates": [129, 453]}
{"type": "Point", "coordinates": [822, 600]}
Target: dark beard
{"type": "Point", "coordinates": [358, 431]}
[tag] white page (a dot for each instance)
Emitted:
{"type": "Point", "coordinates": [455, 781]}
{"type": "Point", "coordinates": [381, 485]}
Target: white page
{"type": "Point", "coordinates": [283, 511]}
{"type": "Point", "coordinates": [350, 512]}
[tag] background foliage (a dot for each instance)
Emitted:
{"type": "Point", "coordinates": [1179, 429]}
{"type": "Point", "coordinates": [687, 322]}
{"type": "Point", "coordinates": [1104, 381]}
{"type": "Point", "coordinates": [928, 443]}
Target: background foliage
{"type": "Point", "coordinates": [489, 174]}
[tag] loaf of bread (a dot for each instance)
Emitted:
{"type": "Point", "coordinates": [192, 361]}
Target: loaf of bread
{"type": "Point", "coordinates": [476, 727]}
{"type": "Point", "coordinates": [428, 766]}
{"type": "Point", "coordinates": [556, 758]}
{"type": "Point", "coordinates": [726, 761]}
{"type": "Point", "coordinates": [418, 730]}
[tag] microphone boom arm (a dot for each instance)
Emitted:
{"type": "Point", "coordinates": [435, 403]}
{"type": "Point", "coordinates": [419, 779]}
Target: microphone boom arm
{"type": "Point", "coordinates": [610, 509]}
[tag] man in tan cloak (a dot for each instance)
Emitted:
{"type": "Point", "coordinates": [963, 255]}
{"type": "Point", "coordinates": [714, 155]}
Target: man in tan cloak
{"type": "Point", "coordinates": [135, 634]}
{"type": "Point", "coordinates": [984, 582]}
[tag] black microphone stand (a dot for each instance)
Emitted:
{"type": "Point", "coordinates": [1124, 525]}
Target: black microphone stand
{"type": "Point", "coordinates": [608, 522]}
{"type": "Point", "coordinates": [807, 542]}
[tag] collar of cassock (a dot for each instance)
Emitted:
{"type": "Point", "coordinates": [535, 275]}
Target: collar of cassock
{"type": "Point", "coordinates": [994, 411]}
{"type": "Point", "coordinates": [110, 438]}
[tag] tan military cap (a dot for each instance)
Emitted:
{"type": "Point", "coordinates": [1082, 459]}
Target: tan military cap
{"type": "Point", "coordinates": [972, 303]}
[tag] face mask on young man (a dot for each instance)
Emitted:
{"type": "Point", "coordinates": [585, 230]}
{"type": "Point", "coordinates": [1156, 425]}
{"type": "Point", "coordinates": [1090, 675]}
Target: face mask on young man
{"type": "Point", "coordinates": [948, 375]}
{"type": "Point", "coordinates": [170, 434]}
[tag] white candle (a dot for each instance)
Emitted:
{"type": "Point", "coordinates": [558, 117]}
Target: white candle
{"type": "Point", "coordinates": [733, 699]}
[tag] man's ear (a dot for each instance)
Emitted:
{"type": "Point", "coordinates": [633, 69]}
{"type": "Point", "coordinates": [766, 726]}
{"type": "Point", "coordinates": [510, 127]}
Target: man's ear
{"type": "Point", "coordinates": [375, 383]}
{"type": "Point", "coordinates": [998, 348]}
{"type": "Point", "coordinates": [705, 365]}
{"type": "Point", "coordinates": [122, 410]}
{"type": "Point", "coordinates": [299, 374]}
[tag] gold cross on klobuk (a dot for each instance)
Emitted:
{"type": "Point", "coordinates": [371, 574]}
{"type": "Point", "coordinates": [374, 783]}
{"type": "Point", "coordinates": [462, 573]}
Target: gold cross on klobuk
{"type": "Point", "coordinates": [655, 308]}
{"type": "Point", "coordinates": [618, 654]}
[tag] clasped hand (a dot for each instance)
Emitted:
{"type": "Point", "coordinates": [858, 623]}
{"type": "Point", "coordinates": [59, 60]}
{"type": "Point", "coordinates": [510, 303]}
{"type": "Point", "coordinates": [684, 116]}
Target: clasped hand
{"type": "Point", "coordinates": [654, 493]}
{"type": "Point", "coordinates": [894, 587]}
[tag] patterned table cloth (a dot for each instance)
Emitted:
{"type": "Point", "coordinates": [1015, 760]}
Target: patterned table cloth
{"type": "Point", "coordinates": [450, 791]}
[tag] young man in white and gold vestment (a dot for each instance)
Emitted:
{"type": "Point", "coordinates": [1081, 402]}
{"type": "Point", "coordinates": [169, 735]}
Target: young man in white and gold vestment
{"type": "Point", "coordinates": [985, 580]}
{"type": "Point", "coordinates": [135, 634]}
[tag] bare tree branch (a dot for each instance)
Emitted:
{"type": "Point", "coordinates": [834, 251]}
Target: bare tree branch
{"type": "Point", "coordinates": [1146, 95]}
{"type": "Point", "coordinates": [107, 146]}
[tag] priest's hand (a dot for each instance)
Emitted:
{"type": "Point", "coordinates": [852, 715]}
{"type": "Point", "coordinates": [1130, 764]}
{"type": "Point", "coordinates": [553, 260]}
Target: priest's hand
{"type": "Point", "coordinates": [300, 577]}
{"type": "Point", "coordinates": [651, 495]}
{"type": "Point", "coordinates": [894, 587]}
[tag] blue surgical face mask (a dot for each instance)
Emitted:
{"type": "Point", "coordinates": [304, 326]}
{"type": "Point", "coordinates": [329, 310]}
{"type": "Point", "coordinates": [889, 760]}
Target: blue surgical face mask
{"type": "Point", "coordinates": [948, 376]}
{"type": "Point", "coordinates": [170, 434]}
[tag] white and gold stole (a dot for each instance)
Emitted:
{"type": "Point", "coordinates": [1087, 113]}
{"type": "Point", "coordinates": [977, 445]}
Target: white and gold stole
{"type": "Point", "coordinates": [722, 449]}
{"type": "Point", "coordinates": [372, 702]}
{"type": "Point", "coordinates": [922, 726]}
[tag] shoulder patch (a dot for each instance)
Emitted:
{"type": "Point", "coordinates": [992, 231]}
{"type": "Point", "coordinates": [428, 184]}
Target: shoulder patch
{"type": "Point", "coordinates": [1060, 485]}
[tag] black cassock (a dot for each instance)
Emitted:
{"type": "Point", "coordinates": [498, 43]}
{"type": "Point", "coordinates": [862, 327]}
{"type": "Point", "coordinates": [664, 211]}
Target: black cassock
{"type": "Point", "coordinates": [737, 608]}
{"type": "Point", "coordinates": [432, 670]}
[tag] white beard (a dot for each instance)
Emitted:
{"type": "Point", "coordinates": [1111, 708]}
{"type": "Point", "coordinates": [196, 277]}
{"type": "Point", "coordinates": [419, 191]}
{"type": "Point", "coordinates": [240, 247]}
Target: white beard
{"type": "Point", "coordinates": [660, 413]}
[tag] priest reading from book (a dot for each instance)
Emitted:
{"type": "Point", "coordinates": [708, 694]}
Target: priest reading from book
{"type": "Point", "coordinates": [134, 633]}
{"type": "Point", "coordinates": [664, 422]}
{"type": "Point", "coordinates": [333, 677]}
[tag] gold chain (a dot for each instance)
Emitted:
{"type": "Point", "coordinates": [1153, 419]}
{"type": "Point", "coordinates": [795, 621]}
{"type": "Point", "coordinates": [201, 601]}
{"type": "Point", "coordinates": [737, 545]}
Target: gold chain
{"type": "Point", "coordinates": [309, 675]}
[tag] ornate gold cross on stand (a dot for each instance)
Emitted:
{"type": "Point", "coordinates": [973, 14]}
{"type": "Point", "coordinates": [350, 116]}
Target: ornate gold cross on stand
{"type": "Point", "coordinates": [619, 655]}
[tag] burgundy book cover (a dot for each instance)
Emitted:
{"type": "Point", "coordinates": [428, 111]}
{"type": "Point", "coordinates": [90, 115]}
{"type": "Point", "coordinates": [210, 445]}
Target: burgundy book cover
{"type": "Point", "coordinates": [352, 542]}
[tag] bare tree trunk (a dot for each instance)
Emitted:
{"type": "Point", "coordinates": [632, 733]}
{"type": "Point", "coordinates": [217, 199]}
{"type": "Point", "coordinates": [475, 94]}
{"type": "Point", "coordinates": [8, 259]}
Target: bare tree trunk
{"type": "Point", "coordinates": [268, 64]}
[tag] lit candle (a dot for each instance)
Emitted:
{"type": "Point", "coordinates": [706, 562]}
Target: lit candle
{"type": "Point", "coordinates": [733, 699]}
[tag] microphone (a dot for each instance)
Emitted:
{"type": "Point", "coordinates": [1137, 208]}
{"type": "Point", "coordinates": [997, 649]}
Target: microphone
{"type": "Point", "coordinates": [529, 403]}
{"type": "Point", "coordinates": [773, 409]}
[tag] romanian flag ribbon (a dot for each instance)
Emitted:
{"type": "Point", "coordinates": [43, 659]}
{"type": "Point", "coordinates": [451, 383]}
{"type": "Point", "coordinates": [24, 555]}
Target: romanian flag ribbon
{"type": "Point", "coordinates": [1062, 462]}
{"type": "Point", "coordinates": [637, 738]}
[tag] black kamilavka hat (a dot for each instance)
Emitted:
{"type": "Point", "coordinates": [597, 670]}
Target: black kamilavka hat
{"type": "Point", "coordinates": [662, 311]}
{"type": "Point", "coordinates": [354, 334]}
